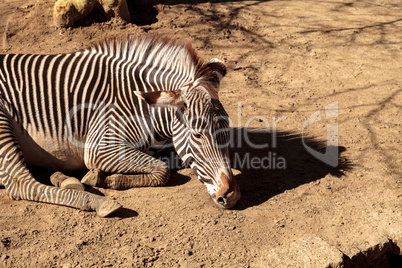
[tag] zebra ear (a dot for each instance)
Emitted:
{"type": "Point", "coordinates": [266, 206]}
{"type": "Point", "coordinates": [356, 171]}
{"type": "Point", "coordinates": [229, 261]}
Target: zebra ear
{"type": "Point", "coordinates": [162, 98]}
{"type": "Point", "coordinates": [214, 71]}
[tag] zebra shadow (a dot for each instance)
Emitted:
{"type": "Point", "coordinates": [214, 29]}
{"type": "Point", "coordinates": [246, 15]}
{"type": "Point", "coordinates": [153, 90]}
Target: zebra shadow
{"type": "Point", "coordinates": [270, 163]}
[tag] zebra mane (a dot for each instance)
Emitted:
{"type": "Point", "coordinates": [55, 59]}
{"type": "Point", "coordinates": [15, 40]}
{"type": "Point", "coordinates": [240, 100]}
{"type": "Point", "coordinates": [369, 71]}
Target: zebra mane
{"type": "Point", "coordinates": [158, 51]}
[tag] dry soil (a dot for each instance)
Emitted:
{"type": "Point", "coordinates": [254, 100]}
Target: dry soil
{"type": "Point", "coordinates": [299, 73]}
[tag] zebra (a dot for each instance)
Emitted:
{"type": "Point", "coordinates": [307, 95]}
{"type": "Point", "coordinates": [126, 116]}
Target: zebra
{"type": "Point", "coordinates": [102, 109]}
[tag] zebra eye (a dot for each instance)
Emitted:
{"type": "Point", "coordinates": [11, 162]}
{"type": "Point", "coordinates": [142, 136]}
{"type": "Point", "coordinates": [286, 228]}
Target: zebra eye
{"type": "Point", "coordinates": [197, 135]}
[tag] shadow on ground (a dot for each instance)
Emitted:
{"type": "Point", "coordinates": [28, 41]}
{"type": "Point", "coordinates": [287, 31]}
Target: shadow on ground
{"type": "Point", "coordinates": [273, 162]}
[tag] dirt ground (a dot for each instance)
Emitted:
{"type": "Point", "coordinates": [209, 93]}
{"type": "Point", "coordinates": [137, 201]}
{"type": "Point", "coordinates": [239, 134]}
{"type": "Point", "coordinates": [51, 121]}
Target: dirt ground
{"type": "Point", "coordinates": [299, 73]}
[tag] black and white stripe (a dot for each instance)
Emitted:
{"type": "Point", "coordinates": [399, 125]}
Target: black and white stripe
{"type": "Point", "coordinates": [83, 109]}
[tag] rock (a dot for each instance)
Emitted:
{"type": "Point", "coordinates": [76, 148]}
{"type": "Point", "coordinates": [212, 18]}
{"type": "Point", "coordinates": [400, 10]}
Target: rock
{"type": "Point", "coordinates": [67, 12]}
{"type": "Point", "coordinates": [116, 8]}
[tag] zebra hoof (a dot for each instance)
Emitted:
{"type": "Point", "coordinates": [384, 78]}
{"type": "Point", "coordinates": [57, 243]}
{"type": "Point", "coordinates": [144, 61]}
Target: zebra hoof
{"type": "Point", "coordinates": [108, 207]}
{"type": "Point", "coordinates": [73, 184]}
{"type": "Point", "coordinates": [92, 178]}
{"type": "Point", "coordinates": [57, 178]}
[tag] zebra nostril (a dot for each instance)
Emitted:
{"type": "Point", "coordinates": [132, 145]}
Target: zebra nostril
{"type": "Point", "coordinates": [221, 200]}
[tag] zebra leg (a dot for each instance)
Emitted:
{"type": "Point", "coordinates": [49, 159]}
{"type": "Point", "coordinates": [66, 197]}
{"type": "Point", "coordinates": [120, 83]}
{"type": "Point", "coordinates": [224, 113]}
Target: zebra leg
{"type": "Point", "coordinates": [137, 169]}
{"type": "Point", "coordinates": [20, 184]}
{"type": "Point", "coordinates": [58, 179]}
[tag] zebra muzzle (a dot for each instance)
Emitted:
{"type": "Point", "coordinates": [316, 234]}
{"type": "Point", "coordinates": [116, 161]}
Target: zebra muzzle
{"type": "Point", "coordinates": [228, 193]}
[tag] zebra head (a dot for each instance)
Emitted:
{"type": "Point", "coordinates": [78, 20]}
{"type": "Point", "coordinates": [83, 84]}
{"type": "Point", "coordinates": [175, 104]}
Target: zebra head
{"type": "Point", "coordinates": [200, 132]}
